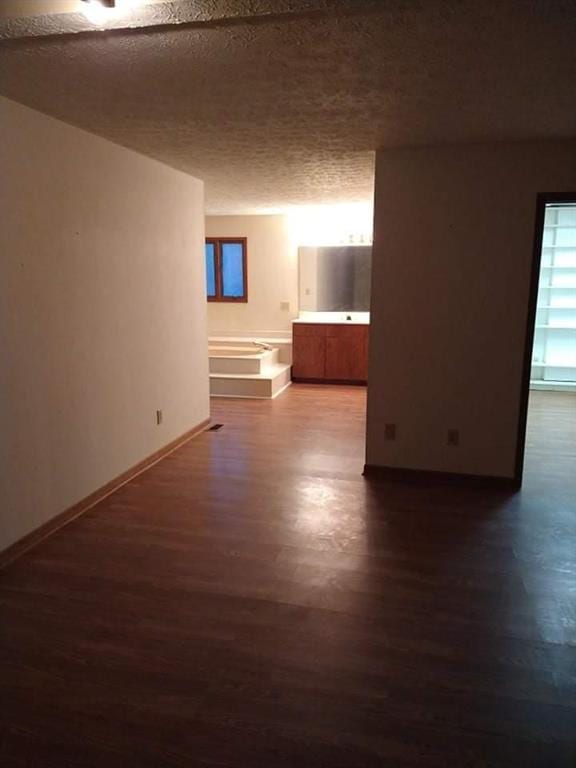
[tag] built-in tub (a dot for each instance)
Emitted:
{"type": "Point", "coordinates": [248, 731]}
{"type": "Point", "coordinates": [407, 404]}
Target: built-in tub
{"type": "Point", "coordinates": [243, 367]}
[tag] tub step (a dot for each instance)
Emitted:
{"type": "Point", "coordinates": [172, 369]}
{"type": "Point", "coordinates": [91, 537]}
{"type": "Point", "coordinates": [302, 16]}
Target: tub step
{"type": "Point", "coordinates": [242, 364]}
{"type": "Point", "coordinates": [260, 385]}
{"type": "Point", "coordinates": [282, 342]}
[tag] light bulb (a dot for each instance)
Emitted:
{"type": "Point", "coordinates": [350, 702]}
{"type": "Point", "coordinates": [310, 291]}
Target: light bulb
{"type": "Point", "coordinates": [98, 12]}
{"type": "Point", "coordinates": [95, 12]}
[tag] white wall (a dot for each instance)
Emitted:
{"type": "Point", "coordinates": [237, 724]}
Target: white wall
{"type": "Point", "coordinates": [308, 279]}
{"type": "Point", "coordinates": [272, 275]}
{"type": "Point", "coordinates": [453, 242]}
{"type": "Point", "coordinates": [102, 313]}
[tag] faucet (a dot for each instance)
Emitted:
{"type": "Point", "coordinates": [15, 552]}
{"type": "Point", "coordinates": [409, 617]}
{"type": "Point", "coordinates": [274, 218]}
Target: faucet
{"type": "Point", "coordinates": [261, 344]}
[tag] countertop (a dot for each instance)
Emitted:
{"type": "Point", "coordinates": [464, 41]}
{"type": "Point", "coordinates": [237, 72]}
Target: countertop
{"type": "Point", "coordinates": [323, 319]}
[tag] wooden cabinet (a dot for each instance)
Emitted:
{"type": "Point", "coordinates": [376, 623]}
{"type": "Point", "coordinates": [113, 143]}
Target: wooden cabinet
{"type": "Point", "coordinates": [330, 352]}
{"type": "Point", "coordinates": [309, 357]}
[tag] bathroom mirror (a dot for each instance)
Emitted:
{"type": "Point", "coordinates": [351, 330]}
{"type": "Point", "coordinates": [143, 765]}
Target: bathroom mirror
{"type": "Point", "coordinates": [335, 278]}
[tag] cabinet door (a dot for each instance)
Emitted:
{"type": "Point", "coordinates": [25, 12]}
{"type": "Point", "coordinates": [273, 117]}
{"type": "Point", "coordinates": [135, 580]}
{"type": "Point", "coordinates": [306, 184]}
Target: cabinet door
{"type": "Point", "coordinates": [347, 353]}
{"type": "Point", "coordinates": [309, 357]}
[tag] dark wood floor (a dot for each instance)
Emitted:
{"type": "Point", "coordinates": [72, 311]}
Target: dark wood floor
{"type": "Point", "coordinates": [253, 601]}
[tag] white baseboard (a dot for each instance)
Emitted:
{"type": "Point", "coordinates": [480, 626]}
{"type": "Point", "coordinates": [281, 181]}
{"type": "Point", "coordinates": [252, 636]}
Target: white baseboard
{"type": "Point", "coordinates": [254, 397]}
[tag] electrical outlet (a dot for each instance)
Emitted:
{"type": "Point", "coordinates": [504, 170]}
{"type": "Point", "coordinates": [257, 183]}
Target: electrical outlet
{"type": "Point", "coordinates": [390, 431]}
{"type": "Point", "coordinates": [159, 417]}
{"type": "Point", "coordinates": [285, 306]}
{"type": "Point", "coordinates": [453, 437]}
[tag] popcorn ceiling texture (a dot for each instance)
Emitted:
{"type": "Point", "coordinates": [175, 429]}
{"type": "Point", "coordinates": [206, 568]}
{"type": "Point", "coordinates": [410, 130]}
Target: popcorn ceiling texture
{"type": "Point", "coordinates": [276, 104]}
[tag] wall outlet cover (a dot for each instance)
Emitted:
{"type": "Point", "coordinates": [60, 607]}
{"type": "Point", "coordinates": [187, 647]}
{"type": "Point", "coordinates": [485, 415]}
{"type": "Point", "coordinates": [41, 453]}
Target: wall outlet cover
{"type": "Point", "coordinates": [285, 306]}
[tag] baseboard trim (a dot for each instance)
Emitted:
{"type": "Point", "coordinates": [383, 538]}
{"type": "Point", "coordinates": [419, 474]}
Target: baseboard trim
{"type": "Point", "coordinates": [431, 477]}
{"type": "Point", "coordinates": [342, 382]}
{"type": "Point", "coordinates": [283, 389]}
{"type": "Point", "coordinates": [29, 541]}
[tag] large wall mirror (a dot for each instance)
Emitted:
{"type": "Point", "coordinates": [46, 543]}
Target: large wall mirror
{"type": "Point", "coordinates": [335, 278]}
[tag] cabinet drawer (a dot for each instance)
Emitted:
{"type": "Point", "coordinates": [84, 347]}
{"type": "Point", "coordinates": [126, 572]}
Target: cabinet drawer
{"type": "Point", "coordinates": [353, 332]}
{"type": "Point", "coordinates": [309, 329]}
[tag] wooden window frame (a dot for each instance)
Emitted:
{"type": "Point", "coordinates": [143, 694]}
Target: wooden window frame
{"type": "Point", "coordinates": [217, 242]}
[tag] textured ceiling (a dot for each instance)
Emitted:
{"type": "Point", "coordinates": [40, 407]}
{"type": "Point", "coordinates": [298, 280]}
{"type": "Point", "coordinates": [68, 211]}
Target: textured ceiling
{"type": "Point", "coordinates": [287, 106]}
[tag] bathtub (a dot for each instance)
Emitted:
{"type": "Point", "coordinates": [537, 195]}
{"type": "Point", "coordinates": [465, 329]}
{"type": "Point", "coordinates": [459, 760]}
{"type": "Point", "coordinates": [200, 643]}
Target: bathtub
{"type": "Point", "coordinates": [239, 367]}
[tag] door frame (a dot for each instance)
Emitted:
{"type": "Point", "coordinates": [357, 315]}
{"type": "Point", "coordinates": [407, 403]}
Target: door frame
{"type": "Point", "coordinates": [542, 200]}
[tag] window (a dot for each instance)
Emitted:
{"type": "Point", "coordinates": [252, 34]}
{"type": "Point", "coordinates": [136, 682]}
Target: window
{"type": "Point", "coordinates": [226, 263]}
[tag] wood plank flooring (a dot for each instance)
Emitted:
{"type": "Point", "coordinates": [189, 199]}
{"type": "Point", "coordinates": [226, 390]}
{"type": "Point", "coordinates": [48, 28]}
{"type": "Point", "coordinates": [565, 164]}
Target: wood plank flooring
{"type": "Point", "coordinates": [253, 601]}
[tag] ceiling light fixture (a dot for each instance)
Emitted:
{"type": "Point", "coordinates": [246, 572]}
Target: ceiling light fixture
{"type": "Point", "coordinates": [97, 11]}
{"type": "Point", "coordinates": [100, 11]}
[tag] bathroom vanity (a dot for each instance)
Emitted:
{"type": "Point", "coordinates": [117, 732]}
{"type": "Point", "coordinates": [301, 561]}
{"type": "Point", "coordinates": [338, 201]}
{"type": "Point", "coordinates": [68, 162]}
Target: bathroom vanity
{"type": "Point", "coordinates": [330, 352]}
{"type": "Point", "coordinates": [330, 337]}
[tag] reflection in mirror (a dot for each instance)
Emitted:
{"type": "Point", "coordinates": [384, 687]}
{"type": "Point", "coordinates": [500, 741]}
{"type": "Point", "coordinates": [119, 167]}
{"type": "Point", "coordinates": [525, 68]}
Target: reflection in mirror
{"type": "Point", "coordinates": [335, 279]}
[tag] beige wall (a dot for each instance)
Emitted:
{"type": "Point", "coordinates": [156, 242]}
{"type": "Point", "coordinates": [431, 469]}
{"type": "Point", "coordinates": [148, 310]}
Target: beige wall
{"type": "Point", "coordinates": [102, 313]}
{"type": "Point", "coordinates": [272, 275]}
{"type": "Point", "coordinates": [18, 8]}
{"type": "Point", "coordinates": [454, 230]}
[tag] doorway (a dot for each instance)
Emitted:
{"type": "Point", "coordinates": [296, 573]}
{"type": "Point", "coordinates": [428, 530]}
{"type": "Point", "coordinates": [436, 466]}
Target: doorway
{"type": "Point", "coordinates": [549, 402]}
